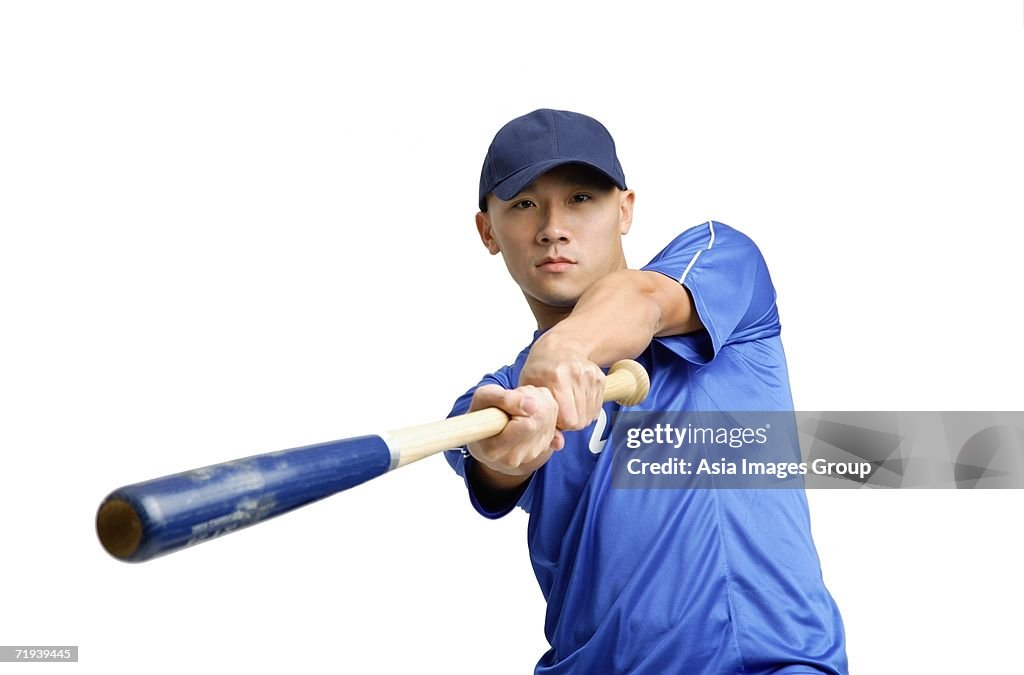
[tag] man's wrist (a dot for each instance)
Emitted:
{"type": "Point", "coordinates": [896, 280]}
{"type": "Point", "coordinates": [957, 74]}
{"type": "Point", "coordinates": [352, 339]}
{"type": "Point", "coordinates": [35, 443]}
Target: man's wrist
{"type": "Point", "coordinates": [560, 340]}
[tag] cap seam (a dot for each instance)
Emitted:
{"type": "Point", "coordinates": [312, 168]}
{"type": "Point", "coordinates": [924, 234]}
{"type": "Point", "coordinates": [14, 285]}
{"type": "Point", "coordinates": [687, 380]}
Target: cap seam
{"type": "Point", "coordinates": [554, 127]}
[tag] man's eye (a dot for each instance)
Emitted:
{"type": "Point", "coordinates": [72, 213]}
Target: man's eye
{"type": "Point", "coordinates": [580, 198]}
{"type": "Point", "coordinates": [525, 204]}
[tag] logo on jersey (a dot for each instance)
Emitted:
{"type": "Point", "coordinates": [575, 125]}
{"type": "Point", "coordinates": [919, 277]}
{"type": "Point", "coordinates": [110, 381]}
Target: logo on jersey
{"type": "Point", "coordinates": [600, 434]}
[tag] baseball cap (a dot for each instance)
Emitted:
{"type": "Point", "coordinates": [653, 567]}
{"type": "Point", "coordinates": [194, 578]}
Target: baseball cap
{"type": "Point", "coordinates": [537, 142]}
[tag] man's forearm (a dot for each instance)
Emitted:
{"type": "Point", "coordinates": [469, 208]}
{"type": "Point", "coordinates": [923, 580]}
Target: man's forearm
{"type": "Point", "coordinates": [616, 318]}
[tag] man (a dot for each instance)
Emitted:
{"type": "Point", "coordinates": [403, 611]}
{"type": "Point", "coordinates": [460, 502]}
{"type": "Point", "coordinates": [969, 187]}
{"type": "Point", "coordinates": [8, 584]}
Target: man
{"type": "Point", "coordinates": [637, 581]}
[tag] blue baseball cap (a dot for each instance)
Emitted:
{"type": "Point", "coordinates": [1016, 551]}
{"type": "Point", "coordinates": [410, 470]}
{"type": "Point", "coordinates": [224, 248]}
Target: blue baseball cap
{"type": "Point", "coordinates": [535, 143]}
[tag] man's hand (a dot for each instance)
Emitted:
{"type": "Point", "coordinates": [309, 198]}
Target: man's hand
{"type": "Point", "coordinates": [576, 383]}
{"type": "Point", "coordinates": [528, 440]}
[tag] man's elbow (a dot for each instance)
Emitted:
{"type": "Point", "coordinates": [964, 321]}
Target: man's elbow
{"type": "Point", "coordinates": [673, 304]}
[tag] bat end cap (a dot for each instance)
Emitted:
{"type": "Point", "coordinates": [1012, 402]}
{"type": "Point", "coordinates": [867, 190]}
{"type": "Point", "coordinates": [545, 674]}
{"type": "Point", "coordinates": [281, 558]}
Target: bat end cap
{"type": "Point", "coordinates": [642, 382]}
{"type": "Point", "coordinates": [119, 528]}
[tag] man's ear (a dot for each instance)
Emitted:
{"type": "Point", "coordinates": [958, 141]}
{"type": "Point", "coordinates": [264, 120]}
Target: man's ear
{"type": "Point", "coordinates": [626, 199]}
{"type": "Point", "coordinates": [483, 226]}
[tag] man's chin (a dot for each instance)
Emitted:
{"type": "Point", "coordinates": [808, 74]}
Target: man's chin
{"type": "Point", "coordinates": [557, 300]}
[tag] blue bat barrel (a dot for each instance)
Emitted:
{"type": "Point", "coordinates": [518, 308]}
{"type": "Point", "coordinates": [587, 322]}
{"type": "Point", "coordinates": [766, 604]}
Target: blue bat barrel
{"type": "Point", "coordinates": [141, 521]}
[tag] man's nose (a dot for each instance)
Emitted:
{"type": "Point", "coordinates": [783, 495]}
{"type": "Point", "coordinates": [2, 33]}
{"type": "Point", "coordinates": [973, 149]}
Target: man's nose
{"type": "Point", "coordinates": [555, 227]}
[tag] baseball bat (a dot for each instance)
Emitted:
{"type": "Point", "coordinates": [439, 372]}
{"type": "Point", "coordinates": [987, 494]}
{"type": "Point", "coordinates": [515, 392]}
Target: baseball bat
{"type": "Point", "coordinates": [138, 522]}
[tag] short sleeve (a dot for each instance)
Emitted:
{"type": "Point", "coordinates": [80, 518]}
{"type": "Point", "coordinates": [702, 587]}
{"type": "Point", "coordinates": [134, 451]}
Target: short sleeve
{"type": "Point", "coordinates": [460, 459]}
{"type": "Point", "coordinates": [732, 291]}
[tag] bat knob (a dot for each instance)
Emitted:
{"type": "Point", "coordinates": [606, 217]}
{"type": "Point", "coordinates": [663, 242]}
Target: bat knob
{"type": "Point", "coordinates": [630, 383]}
{"type": "Point", "coordinates": [119, 528]}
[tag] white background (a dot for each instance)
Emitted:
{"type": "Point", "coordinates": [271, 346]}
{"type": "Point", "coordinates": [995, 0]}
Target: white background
{"type": "Point", "coordinates": [232, 228]}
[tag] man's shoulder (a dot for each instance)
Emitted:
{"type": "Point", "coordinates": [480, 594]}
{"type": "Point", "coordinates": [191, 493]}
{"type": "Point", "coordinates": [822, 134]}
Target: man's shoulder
{"type": "Point", "coordinates": [690, 246]}
{"type": "Point", "coordinates": [709, 234]}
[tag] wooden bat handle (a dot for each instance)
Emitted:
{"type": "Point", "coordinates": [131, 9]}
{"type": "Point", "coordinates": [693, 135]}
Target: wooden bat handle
{"type": "Point", "coordinates": [627, 383]}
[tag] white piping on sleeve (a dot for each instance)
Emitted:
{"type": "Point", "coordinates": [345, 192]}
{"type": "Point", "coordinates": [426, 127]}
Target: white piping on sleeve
{"type": "Point", "coordinates": [711, 227]}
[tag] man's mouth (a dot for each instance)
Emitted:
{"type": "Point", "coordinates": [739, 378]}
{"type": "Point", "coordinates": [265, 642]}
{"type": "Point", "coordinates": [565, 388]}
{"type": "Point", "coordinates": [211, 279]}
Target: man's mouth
{"type": "Point", "coordinates": [556, 264]}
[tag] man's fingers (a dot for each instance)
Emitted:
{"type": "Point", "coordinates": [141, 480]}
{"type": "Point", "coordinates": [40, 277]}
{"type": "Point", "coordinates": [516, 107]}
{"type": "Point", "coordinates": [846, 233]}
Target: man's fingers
{"type": "Point", "coordinates": [567, 413]}
{"type": "Point", "coordinates": [584, 394]}
{"type": "Point", "coordinates": [515, 402]}
{"type": "Point", "coordinates": [580, 399]}
{"type": "Point", "coordinates": [527, 405]}
{"type": "Point", "coordinates": [598, 401]}
{"type": "Point", "coordinates": [486, 396]}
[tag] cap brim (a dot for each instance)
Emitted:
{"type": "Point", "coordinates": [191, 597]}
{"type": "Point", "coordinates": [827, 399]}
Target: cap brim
{"type": "Point", "coordinates": [517, 182]}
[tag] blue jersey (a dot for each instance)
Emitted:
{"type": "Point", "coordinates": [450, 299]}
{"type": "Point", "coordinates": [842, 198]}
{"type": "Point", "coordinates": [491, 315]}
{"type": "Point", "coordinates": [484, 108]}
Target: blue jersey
{"type": "Point", "coordinates": [666, 581]}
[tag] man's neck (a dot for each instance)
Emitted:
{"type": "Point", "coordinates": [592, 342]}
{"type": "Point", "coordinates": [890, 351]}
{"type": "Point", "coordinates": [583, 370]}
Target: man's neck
{"type": "Point", "coordinates": [547, 316]}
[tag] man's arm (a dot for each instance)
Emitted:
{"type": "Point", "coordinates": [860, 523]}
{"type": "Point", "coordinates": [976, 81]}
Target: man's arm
{"type": "Point", "coordinates": [562, 386]}
{"type": "Point", "coordinates": [616, 318]}
{"type": "Point", "coordinates": [505, 462]}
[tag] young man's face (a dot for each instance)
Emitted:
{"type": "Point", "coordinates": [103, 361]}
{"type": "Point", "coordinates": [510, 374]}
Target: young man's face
{"type": "Point", "coordinates": [560, 234]}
